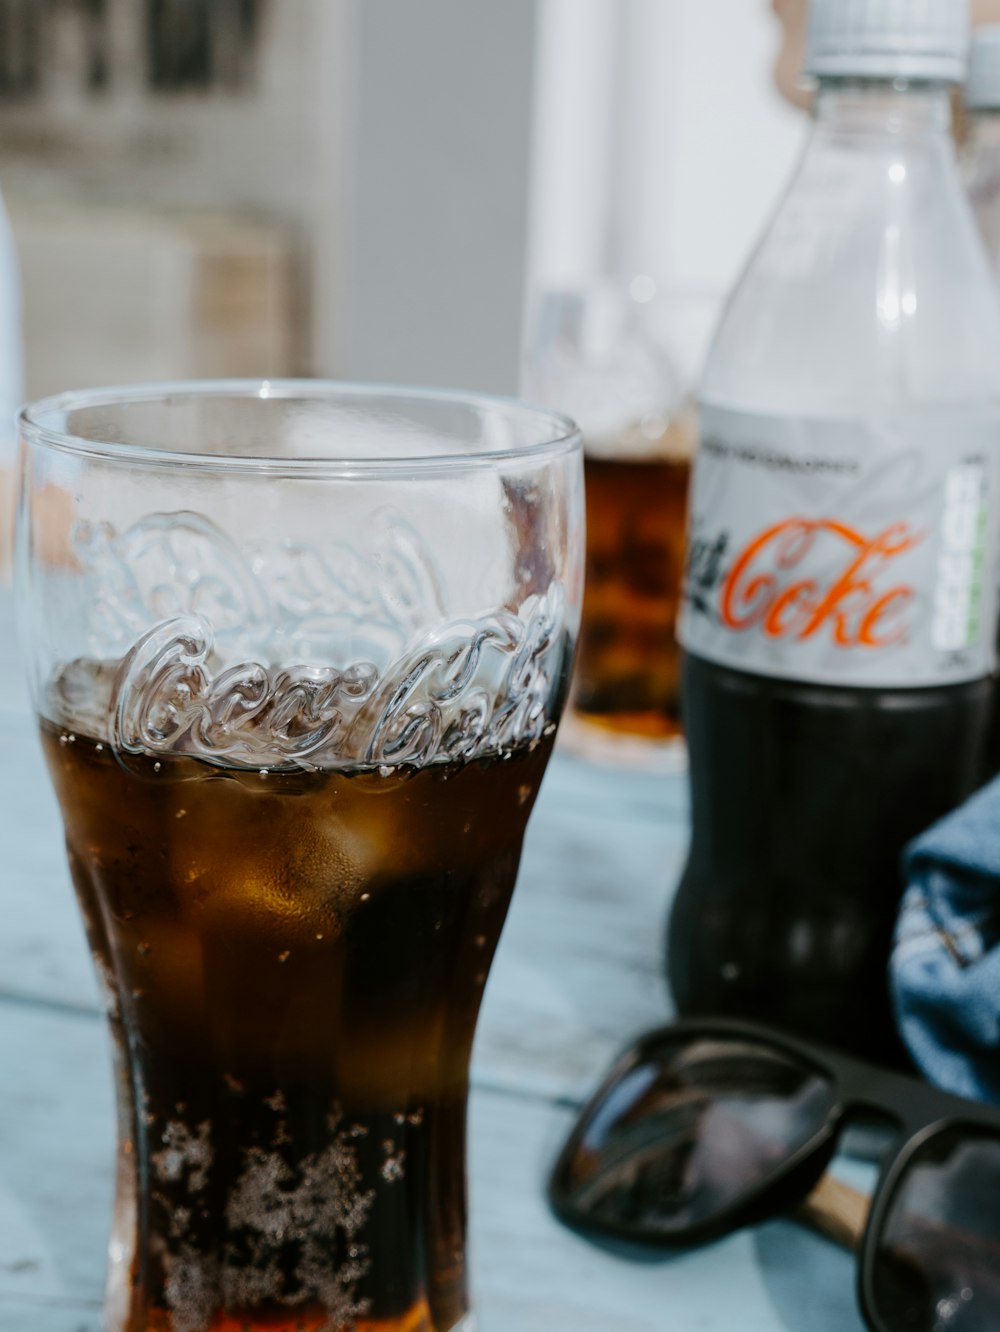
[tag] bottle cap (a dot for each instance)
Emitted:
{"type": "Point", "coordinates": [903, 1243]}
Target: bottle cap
{"type": "Point", "coordinates": [983, 87]}
{"type": "Point", "coordinates": [888, 39]}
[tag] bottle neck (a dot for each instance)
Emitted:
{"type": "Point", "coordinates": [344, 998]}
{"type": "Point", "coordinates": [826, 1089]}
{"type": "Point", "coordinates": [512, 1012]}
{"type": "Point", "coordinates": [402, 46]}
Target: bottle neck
{"type": "Point", "coordinates": [882, 109]}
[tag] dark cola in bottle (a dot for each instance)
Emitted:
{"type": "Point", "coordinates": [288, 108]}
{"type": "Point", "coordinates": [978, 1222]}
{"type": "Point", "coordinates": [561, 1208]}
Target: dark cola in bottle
{"type": "Point", "coordinates": [839, 608]}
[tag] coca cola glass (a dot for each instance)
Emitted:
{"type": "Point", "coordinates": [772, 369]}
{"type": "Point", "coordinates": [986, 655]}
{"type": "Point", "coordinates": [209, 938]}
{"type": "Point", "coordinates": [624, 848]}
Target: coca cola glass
{"type": "Point", "coordinates": [298, 658]}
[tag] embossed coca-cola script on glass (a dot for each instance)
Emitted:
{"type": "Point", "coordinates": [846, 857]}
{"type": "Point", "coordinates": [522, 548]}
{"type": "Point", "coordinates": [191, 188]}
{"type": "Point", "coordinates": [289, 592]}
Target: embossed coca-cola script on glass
{"type": "Point", "coordinates": [298, 675]}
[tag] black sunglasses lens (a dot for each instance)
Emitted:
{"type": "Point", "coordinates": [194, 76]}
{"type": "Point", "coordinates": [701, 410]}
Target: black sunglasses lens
{"type": "Point", "coordinates": [936, 1264]}
{"type": "Point", "coordinates": [697, 1125]}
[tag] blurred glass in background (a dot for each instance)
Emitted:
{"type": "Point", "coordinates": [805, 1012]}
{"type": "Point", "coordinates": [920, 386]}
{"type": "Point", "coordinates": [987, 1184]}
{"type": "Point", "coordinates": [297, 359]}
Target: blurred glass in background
{"type": "Point", "coordinates": [601, 354]}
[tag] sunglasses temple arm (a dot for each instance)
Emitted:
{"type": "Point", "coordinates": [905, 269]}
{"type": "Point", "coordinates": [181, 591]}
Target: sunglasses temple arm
{"type": "Point", "coordinates": [836, 1210]}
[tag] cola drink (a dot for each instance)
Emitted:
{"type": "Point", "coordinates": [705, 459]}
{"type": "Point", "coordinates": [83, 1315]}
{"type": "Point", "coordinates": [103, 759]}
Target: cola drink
{"type": "Point", "coordinates": [294, 961]}
{"type": "Point", "coordinates": [788, 901]}
{"type": "Point", "coordinates": [627, 676]}
{"type": "Point", "coordinates": [839, 604]}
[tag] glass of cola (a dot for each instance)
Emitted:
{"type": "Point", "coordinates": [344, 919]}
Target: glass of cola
{"type": "Point", "coordinates": [297, 678]}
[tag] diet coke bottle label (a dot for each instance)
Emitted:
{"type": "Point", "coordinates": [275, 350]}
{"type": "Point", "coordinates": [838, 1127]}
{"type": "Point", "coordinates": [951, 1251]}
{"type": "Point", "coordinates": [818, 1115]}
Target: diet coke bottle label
{"type": "Point", "coordinates": [844, 552]}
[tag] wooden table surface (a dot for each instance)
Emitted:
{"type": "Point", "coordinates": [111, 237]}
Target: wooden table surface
{"type": "Point", "coordinates": [578, 973]}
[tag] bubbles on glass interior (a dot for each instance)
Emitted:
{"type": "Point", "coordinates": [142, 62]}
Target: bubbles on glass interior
{"type": "Point", "coordinates": [275, 1250]}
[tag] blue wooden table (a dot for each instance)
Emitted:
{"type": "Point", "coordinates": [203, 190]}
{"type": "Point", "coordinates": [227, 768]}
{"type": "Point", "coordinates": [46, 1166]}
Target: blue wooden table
{"type": "Point", "coordinates": [578, 973]}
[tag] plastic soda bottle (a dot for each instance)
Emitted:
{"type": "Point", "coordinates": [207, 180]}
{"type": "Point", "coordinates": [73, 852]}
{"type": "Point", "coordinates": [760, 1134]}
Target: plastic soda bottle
{"type": "Point", "coordinates": [839, 605]}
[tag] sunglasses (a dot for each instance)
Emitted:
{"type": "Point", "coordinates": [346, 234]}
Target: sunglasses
{"type": "Point", "coordinates": [704, 1126]}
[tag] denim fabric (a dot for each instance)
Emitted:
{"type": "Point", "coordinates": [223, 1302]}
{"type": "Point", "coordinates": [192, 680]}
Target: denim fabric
{"type": "Point", "coordinates": [945, 966]}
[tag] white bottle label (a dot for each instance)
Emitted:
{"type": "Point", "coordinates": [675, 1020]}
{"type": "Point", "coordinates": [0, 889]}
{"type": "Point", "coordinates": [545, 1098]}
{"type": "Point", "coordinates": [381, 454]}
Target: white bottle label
{"type": "Point", "coordinates": [844, 552]}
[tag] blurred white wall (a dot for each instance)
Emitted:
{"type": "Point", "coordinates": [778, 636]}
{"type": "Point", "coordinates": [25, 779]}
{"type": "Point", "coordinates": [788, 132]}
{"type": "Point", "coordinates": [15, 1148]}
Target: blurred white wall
{"type": "Point", "coordinates": [661, 145]}
{"type": "Point", "coordinates": [496, 148]}
{"type": "Point", "coordinates": [190, 233]}
{"type": "Point", "coordinates": [433, 247]}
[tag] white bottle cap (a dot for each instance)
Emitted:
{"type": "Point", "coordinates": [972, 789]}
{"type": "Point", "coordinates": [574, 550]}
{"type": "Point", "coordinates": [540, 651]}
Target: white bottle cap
{"type": "Point", "coordinates": [983, 87]}
{"type": "Point", "coordinates": [888, 39]}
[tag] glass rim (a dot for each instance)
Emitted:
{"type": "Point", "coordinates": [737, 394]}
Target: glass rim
{"type": "Point", "coordinates": [562, 437]}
